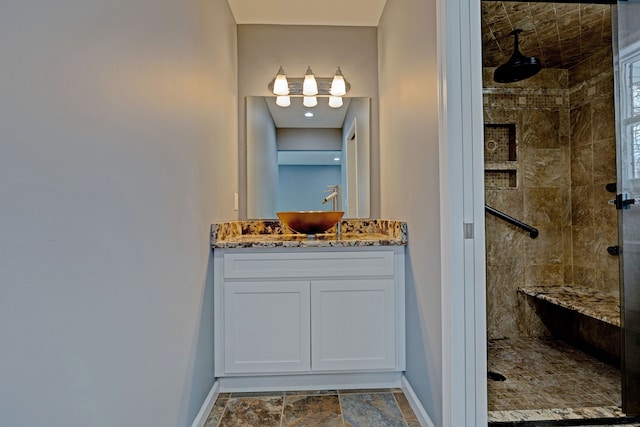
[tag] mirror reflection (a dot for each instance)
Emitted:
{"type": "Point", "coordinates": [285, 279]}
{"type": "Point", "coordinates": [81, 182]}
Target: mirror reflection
{"type": "Point", "coordinates": [295, 161]}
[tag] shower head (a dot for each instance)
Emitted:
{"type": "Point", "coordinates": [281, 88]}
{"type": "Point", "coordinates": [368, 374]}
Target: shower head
{"type": "Point", "coordinates": [518, 67]}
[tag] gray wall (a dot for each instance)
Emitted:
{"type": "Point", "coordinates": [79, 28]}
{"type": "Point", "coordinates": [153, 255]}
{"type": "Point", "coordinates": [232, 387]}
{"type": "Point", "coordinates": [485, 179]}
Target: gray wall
{"type": "Point", "coordinates": [262, 160]}
{"type": "Point", "coordinates": [117, 143]}
{"type": "Point", "coordinates": [309, 139]}
{"type": "Point", "coordinates": [264, 48]}
{"type": "Point", "coordinates": [409, 176]}
{"type": "Point", "coordinates": [302, 188]}
{"type": "Point", "coordinates": [359, 109]}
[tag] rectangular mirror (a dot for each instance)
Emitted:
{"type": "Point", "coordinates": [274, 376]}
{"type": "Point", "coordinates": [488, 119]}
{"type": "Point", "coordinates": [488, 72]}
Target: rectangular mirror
{"type": "Point", "coordinates": [292, 158]}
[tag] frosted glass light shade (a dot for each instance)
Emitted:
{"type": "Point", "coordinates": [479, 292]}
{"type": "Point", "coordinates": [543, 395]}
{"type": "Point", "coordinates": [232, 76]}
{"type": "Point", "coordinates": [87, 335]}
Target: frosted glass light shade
{"type": "Point", "coordinates": [280, 84]}
{"type": "Point", "coordinates": [283, 101]}
{"type": "Point", "coordinates": [338, 86]}
{"type": "Point", "coordinates": [335, 102]}
{"type": "Point", "coordinates": [309, 86]}
{"type": "Point", "coordinates": [309, 101]}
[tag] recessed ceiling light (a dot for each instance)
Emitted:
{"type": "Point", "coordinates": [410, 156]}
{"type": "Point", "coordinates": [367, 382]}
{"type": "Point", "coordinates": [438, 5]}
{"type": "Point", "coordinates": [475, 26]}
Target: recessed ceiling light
{"type": "Point", "coordinates": [337, 159]}
{"type": "Point", "coordinates": [308, 114]}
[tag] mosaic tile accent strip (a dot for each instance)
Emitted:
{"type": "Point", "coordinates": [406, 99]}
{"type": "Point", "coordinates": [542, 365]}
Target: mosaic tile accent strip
{"type": "Point", "coordinates": [548, 373]}
{"type": "Point", "coordinates": [601, 305]}
{"type": "Point", "coordinates": [326, 408]}
{"type": "Point", "coordinates": [526, 98]}
{"type": "Point", "coordinates": [271, 233]}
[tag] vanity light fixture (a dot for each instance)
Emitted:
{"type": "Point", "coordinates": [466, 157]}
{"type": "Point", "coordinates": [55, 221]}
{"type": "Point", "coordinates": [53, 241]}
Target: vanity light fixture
{"type": "Point", "coordinates": [309, 87]}
{"type": "Point", "coordinates": [309, 101]}
{"type": "Point", "coordinates": [338, 87]}
{"type": "Point", "coordinates": [335, 101]}
{"type": "Point", "coordinates": [280, 84]}
{"type": "Point", "coordinates": [283, 101]}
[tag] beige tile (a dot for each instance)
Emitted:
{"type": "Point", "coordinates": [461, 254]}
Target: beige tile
{"type": "Point", "coordinates": [547, 248]}
{"type": "Point", "coordinates": [603, 120]}
{"type": "Point", "coordinates": [584, 276]}
{"type": "Point", "coordinates": [581, 165]}
{"type": "Point", "coordinates": [546, 206]}
{"type": "Point", "coordinates": [541, 128]}
{"type": "Point", "coordinates": [543, 168]}
{"type": "Point", "coordinates": [604, 161]}
{"type": "Point", "coordinates": [582, 205]}
{"type": "Point", "coordinates": [581, 125]}
{"type": "Point", "coordinates": [544, 274]}
{"type": "Point", "coordinates": [583, 247]}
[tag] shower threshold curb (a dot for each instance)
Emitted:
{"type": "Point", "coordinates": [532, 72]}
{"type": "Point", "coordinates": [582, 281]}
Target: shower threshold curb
{"type": "Point", "coordinates": [604, 415]}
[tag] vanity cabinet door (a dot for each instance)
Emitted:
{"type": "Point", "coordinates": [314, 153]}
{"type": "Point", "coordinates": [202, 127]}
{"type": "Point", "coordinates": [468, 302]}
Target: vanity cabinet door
{"type": "Point", "coordinates": [353, 325]}
{"type": "Point", "coordinates": [266, 327]}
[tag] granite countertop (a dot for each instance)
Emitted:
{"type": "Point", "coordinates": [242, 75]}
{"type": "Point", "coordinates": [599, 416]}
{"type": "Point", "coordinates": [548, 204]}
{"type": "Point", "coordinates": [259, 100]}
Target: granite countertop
{"type": "Point", "coordinates": [271, 234]}
{"type": "Point", "coordinates": [601, 305]}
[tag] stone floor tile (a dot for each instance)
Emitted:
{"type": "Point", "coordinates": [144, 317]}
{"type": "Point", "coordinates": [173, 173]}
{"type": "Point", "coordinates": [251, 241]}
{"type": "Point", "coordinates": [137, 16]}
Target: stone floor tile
{"type": "Point", "coordinates": [371, 410]}
{"type": "Point", "coordinates": [312, 411]}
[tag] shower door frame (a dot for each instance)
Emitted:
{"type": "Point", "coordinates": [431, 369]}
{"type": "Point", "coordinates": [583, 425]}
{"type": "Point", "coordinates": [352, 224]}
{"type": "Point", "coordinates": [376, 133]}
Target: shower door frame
{"type": "Point", "coordinates": [626, 53]}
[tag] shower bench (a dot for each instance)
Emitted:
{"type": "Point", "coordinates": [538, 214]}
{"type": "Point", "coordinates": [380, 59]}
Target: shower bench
{"type": "Point", "coordinates": [585, 317]}
{"type": "Point", "coordinates": [600, 305]}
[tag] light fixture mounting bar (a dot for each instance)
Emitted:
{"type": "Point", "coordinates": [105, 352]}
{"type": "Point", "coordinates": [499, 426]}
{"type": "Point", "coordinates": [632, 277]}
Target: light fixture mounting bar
{"type": "Point", "coordinates": [295, 86]}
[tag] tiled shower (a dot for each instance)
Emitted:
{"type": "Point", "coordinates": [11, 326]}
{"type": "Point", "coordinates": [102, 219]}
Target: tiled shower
{"type": "Point", "coordinates": [549, 154]}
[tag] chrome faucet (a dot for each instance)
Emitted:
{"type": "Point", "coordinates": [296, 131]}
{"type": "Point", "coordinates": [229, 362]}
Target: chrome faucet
{"type": "Point", "coordinates": [336, 202]}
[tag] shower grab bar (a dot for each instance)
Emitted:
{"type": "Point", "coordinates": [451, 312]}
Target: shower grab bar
{"type": "Point", "coordinates": [533, 232]}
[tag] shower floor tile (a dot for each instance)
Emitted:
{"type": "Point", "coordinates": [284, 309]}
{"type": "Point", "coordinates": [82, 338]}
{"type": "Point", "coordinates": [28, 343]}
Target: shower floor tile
{"type": "Point", "coordinates": [549, 374]}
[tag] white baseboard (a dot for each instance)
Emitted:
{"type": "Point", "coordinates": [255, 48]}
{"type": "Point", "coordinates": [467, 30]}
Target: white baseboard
{"type": "Point", "coordinates": [206, 407]}
{"type": "Point", "coordinates": [417, 407]}
{"type": "Point", "coordinates": [310, 382]}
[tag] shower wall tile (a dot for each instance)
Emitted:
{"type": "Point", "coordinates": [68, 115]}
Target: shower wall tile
{"type": "Point", "coordinates": [540, 129]}
{"type": "Point", "coordinates": [506, 236]}
{"type": "Point", "coordinates": [592, 167]}
{"type": "Point", "coordinates": [544, 275]}
{"type": "Point", "coordinates": [547, 206]}
{"type": "Point", "coordinates": [604, 161]}
{"type": "Point", "coordinates": [530, 315]}
{"type": "Point", "coordinates": [603, 118]}
{"type": "Point", "coordinates": [584, 276]}
{"type": "Point", "coordinates": [508, 201]}
{"type": "Point", "coordinates": [605, 215]}
{"type": "Point", "coordinates": [581, 165]}
{"type": "Point", "coordinates": [502, 303]}
{"type": "Point", "coordinates": [543, 168]}
{"type": "Point", "coordinates": [567, 251]}
{"type": "Point", "coordinates": [583, 247]}
{"type": "Point", "coordinates": [580, 118]}
{"type": "Point", "coordinates": [547, 250]}
{"type": "Point", "coordinates": [582, 205]}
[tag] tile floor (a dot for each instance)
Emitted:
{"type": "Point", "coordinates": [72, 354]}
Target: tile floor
{"type": "Point", "coordinates": [324, 408]}
{"type": "Point", "coordinates": [548, 379]}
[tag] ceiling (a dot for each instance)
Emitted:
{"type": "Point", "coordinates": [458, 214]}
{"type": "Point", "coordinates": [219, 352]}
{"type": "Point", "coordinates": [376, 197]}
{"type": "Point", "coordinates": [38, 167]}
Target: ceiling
{"type": "Point", "coordinates": [293, 116]}
{"type": "Point", "coordinates": [560, 34]}
{"type": "Point", "coordinates": [307, 12]}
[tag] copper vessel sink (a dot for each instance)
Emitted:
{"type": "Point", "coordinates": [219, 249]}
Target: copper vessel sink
{"type": "Point", "coordinates": [310, 222]}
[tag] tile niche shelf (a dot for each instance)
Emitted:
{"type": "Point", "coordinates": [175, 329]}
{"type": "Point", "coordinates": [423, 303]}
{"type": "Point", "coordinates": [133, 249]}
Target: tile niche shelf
{"type": "Point", "coordinates": [501, 158]}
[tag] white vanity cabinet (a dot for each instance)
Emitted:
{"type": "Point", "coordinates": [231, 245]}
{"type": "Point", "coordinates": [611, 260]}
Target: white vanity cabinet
{"type": "Point", "coordinates": [307, 311]}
